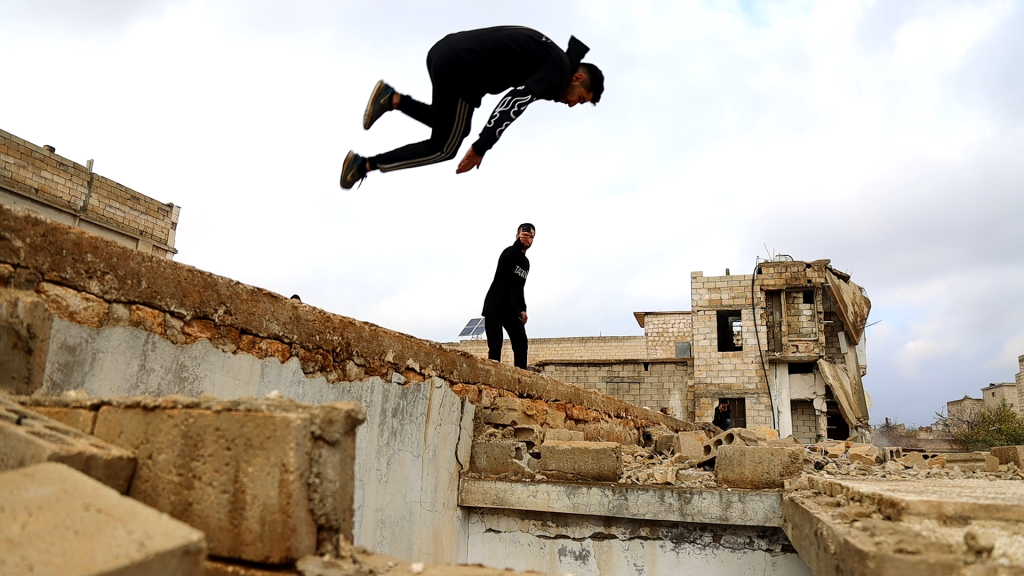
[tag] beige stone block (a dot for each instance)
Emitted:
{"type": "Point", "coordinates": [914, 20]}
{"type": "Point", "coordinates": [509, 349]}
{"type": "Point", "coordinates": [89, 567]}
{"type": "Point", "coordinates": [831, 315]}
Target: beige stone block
{"type": "Point", "coordinates": [757, 467]}
{"type": "Point", "coordinates": [507, 458]}
{"type": "Point", "coordinates": [27, 438]}
{"type": "Point", "coordinates": [689, 445]}
{"type": "Point", "coordinates": [737, 436]}
{"type": "Point", "coordinates": [864, 454]}
{"type": "Point", "coordinates": [598, 461]}
{"type": "Point", "coordinates": [81, 419]}
{"type": "Point", "coordinates": [265, 480]}
{"type": "Point", "coordinates": [69, 524]}
{"type": "Point", "coordinates": [1009, 455]}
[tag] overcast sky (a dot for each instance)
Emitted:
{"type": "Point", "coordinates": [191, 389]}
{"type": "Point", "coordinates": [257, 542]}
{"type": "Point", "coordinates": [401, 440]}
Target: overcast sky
{"type": "Point", "coordinates": [885, 136]}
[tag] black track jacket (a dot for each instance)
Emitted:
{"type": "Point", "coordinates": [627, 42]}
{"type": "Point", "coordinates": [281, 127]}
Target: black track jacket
{"type": "Point", "coordinates": [492, 60]}
{"type": "Point", "coordinates": [505, 297]}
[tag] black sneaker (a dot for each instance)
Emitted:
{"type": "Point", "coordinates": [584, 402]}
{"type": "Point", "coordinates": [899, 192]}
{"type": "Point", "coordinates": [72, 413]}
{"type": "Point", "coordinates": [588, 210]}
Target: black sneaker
{"type": "Point", "coordinates": [380, 102]}
{"type": "Point", "coordinates": [353, 170]}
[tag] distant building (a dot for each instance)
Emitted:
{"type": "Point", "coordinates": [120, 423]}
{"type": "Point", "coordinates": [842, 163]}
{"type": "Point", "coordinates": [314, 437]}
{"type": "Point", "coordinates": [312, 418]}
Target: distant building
{"type": "Point", "coordinates": [36, 179]}
{"type": "Point", "coordinates": [793, 328]}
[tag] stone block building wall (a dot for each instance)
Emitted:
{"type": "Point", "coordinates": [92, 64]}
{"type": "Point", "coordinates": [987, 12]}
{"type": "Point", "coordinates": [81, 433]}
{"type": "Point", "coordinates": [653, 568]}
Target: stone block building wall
{"type": "Point", "coordinates": [601, 348]}
{"type": "Point", "coordinates": [1020, 382]}
{"type": "Point", "coordinates": [664, 329]}
{"type": "Point", "coordinates": [805, 421]}
{"type": "Point", "coordinates": [731, 374]}
{"type": "Point", "coordinates": [37, 179]}
{"type": "Point", "coordinates": [802, 320]}
{"type": "Point", "coordinates": [654, 384]}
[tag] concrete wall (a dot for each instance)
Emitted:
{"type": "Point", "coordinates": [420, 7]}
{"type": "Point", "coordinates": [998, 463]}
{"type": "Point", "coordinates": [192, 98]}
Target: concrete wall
{"type": "Point", "coordinates": [595, 545]}
{"type": "Point", "coordinates": [407, 461]}
{"type": "Point", "coordinates": [36, 179]}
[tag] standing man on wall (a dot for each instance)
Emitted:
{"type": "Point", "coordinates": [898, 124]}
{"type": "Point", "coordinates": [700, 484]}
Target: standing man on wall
{"type": "Point", "coordinates": [465, 66]}
{"type": "Point", "coordinates": [504, 306]}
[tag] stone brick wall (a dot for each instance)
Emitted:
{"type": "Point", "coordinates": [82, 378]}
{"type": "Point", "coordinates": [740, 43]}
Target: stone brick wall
{"type": "Point", "coordinates": [737, 374]}
{"type": "Point", "coordinates": [1020, 382]}
{"type": "Point", "coordinates": [653, 384]}
{"type": "Point", "coordinates": [801, 317]}
{"type": "Point", "coordinates": [581, 348]}
{"type": "Point", "coordinates": [664, 329]}
{"type": "Point", "coordinates": [805, 422]}
{"type": "Point", "coordinates": [44, 177]}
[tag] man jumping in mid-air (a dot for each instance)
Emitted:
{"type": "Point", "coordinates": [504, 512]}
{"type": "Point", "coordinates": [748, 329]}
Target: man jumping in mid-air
{"type": "Point", "coordinates": [463, 67]}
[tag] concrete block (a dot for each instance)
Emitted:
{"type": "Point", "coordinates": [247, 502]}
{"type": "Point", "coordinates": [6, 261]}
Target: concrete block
{"type": "Point", "coordinates": [689, 445]}
{"type": "Point", "coordinates": [534, 434]}
{"type": "Point", "coordinates": [664, 443]}
{"type": "Point", "coordinates": [1009, 454]}
{"type": "Point", "coordinates": [268, 481]}
{"type": "Point", "coordinates": [81, 419]}
{"type": "Point", "coordinates": [737, 436]}
{"type": "Point", "coordinates": [70, 524]}
{"type": "Point", "coordinates": [560, 435]}
{"type": "Point", "coordinates": [892, 453]}
{"type": "Point", "coordinates": [967, 461]}
{"type": "Point", "coordinates": [29, 438]}
{"type": "Point", "coordinates": [757, 467]}
{"type": "Point", "coordinates": [600, 461]}
{"type": "Point", "coordinates": [501, 457]}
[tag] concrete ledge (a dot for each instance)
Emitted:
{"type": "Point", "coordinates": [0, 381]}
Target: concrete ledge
{"type": "Point", "coordinates": [59, 521]}
{"type": "Point", "coordinates": [338, 347]}
{"type": "Point", "coordinates": [736, 508]}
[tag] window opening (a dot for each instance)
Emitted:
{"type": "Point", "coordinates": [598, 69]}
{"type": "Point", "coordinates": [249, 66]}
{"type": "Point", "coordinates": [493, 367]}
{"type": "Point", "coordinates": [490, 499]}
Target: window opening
{"type": "Point", "coordinates": [730, 331]}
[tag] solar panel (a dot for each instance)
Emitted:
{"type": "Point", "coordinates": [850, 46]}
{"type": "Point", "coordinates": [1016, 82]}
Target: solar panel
{"type": "Point", "coordinates": [474, 327]}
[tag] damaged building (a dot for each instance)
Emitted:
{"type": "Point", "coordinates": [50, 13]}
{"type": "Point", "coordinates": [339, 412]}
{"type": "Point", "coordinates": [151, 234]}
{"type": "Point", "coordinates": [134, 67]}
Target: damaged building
{"type": "Point", "coordinates": [160, 419]}
{"type": "Point", "coordinates": [785, 347]}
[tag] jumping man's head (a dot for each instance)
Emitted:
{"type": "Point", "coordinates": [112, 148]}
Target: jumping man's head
{"type": "Point", "coordinates": [587, 85]}
{"type": "Point", "coordinates": [525, 235]}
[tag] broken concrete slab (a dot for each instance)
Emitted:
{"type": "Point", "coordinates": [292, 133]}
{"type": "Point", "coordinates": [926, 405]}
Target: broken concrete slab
{"type": "Point", "coordinates": [598, 461]}
{"type": "Point", "coordinates": [940, 527]}
{"type": "Point", "coordinates": [29, 438]}
{"type": "Point", "coordinates": [269, 481]}
{"type": "Point", "coordinates": [1009, 455]}
{"type": "Point", "coordinates": [69, 524]}
{"type": "Point", "coordinates": [699, 506]}
{"type": "Point", "coordinates": [971, 461]}
{"type": "Point", "coordinates": [501, 458]}
{"type": "Point", "coordinates": [864, 454]}
{"type": "Point", "coordinates": [757, 467]}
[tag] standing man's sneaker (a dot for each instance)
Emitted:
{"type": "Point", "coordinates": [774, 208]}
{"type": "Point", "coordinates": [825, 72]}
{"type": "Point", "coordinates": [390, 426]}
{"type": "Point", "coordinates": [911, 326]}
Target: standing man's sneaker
{"type": "Point", "coordinates": [353, 170]}
{"type": "Point", "coordinates": [380, 102]}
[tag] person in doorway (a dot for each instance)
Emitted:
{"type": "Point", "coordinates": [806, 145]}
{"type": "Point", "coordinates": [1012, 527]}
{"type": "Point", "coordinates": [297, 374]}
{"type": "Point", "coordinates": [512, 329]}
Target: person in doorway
{"type": "Point", "coordinates": [465, 66]}
{"type": "Point", "coordinates": [504, 305]}
{"type": "Point", "coordinates": [722, 413]}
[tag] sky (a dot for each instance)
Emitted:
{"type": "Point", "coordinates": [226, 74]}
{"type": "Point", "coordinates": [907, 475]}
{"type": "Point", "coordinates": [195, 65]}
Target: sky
{"type": "Point", "coordinates": [885, 136]}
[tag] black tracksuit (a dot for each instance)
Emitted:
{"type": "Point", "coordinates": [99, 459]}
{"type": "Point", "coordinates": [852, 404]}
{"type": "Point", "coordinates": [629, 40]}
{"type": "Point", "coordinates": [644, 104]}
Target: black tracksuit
{"type": "Point", "coordinates": [504, 303]}
{"type": "Point", "coordinates": [465, 66]}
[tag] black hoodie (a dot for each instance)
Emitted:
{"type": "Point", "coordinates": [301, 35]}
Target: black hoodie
{"type": "Point", "coordinates": [505, 296]}
{"type": "Point", "coordinates": [492, 60]}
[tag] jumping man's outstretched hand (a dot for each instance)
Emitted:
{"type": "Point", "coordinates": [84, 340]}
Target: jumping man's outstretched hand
{"type": "Point", "coordinates": [523, 317]}
{"type": "Point", "coordinates": [469, 161]}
